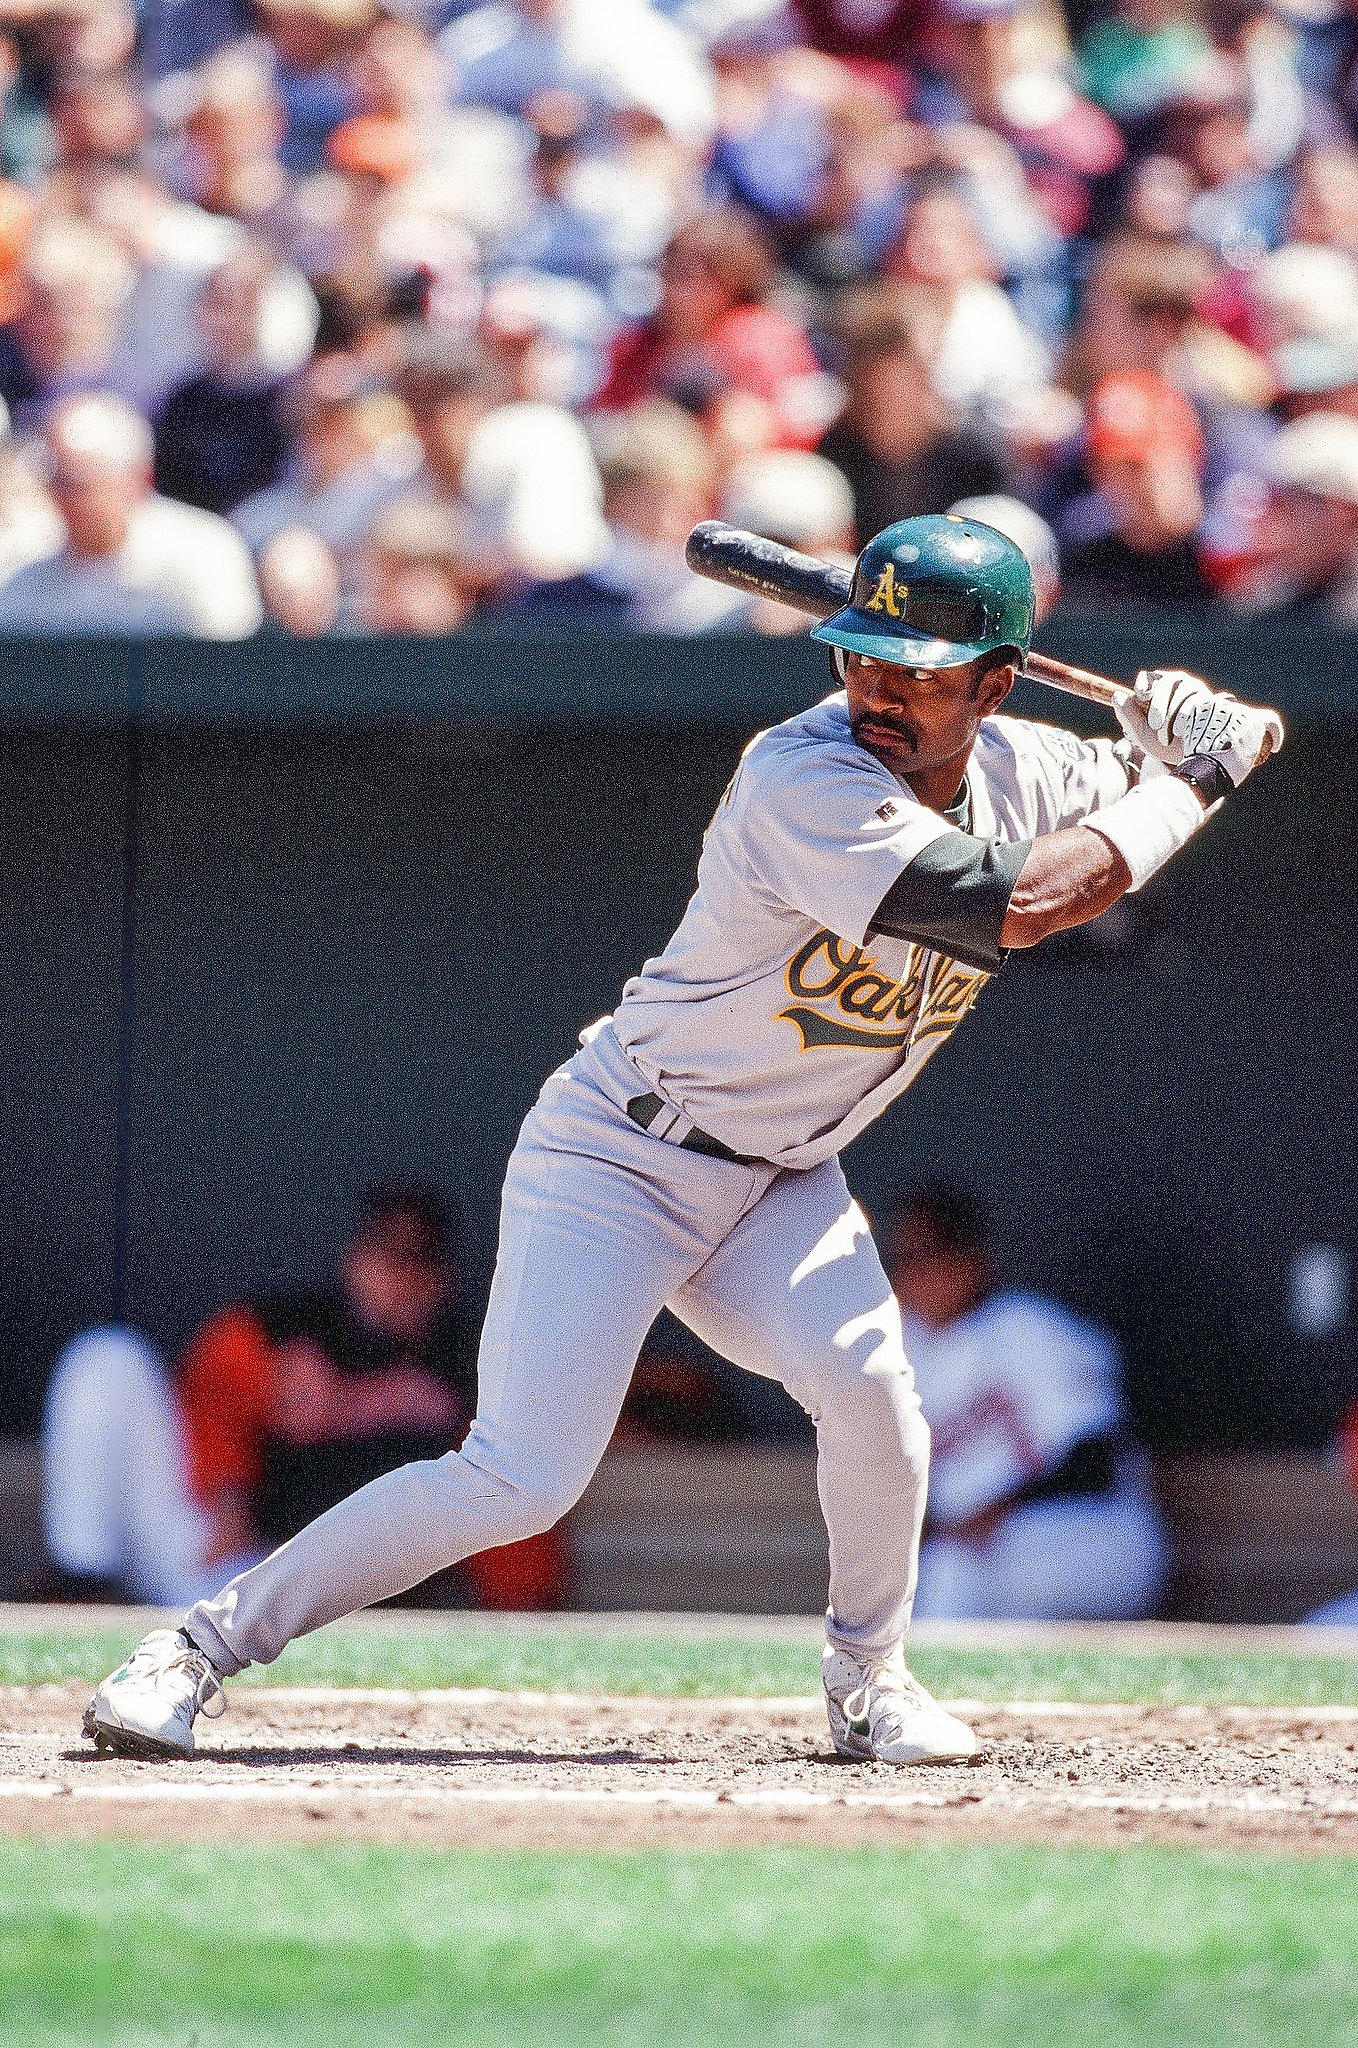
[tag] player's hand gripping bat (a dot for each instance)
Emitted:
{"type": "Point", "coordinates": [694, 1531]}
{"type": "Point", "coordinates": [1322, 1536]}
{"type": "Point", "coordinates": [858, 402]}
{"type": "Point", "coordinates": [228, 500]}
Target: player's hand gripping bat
{"type": "Point", "coordinates": [765, 568]}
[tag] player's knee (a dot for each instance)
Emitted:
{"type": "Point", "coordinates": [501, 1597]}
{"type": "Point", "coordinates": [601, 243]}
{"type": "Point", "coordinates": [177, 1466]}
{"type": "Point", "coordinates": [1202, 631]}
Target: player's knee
{"type": "Point", "coordinates": [877, 1407]}
{"type": "Point", "coordinates": [539, 1507]}
{"type": "Point", "coordinates": [523, 1498]}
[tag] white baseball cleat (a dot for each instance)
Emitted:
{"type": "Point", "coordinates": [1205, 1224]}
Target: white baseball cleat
{"type": "Point", "coordinates": [148, 1706]}
{"type": "Point", "coordinates": [881, 1713]}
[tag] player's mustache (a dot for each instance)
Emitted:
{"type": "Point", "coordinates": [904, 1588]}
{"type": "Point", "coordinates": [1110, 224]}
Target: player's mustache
{"type": "Point", "coordinates": [884, 724]}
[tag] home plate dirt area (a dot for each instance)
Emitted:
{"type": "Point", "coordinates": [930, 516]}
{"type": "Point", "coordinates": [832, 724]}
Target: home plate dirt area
{"type": "Point", "coordinates": [550, 1770]}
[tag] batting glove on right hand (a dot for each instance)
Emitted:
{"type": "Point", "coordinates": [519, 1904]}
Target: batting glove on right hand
{"type": "Point", "coordinates": [1175, 717]}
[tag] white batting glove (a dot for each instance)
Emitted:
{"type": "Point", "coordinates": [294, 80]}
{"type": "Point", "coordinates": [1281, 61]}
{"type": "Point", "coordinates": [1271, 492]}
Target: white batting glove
{"type": "Point", "coordinates": [1175, 717]}
{"type": "Point", "coordinates": [1149, 711]}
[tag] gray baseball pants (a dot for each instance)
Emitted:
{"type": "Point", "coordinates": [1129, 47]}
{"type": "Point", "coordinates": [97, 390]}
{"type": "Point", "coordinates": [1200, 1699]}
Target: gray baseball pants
{"type": "Point", "coordinates": [601, 1225]}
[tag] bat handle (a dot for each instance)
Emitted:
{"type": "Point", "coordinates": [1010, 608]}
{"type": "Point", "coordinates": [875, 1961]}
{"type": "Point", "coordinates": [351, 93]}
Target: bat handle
{"type": "Point", "coordinates": [1076, 682]}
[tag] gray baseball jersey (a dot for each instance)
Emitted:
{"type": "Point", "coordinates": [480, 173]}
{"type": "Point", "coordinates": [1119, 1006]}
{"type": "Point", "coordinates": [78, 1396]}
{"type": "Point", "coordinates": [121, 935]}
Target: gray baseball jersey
{"type": "Point", "coordinates": [776, 1019]}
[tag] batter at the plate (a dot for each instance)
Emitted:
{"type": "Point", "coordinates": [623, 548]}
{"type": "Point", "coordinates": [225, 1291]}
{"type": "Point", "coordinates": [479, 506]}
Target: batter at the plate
{"type": "Point", "coordinates": [866, 871]}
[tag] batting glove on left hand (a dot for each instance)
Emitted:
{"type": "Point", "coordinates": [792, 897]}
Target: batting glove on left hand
{"type": "Point", "coordinates": [1149, 713]}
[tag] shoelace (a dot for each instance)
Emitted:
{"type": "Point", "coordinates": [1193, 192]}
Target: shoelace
{"type": "Point", "coordinates": [209, 1692]}
{"type": "Point", "coordinates": [889, 1684]}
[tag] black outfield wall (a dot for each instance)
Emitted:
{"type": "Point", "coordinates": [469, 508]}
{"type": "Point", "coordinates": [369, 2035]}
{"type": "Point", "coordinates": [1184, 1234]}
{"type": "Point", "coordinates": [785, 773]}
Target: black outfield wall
{"type": "Point", "coordinates": [276, 920]}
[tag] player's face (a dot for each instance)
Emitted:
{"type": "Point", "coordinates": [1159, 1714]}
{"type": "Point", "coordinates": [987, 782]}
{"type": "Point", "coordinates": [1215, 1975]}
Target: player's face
{"type": "Point", "coordinates": [915, 720]}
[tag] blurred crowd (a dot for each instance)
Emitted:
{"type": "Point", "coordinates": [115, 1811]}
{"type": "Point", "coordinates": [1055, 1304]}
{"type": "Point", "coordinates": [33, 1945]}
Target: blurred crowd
{"type": "Point", "coordinates": [372, 316]}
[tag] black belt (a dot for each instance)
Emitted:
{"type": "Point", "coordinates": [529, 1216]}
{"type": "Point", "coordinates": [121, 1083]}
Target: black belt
{"type": "Point", "coordinates": [644, 1109]}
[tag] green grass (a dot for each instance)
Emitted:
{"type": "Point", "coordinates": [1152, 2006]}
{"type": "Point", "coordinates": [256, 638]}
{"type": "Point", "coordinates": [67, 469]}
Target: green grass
{"type": "Point", "coordinates": [952, 1947]}
{"type": "Point", "coordinates": [458, 1653]}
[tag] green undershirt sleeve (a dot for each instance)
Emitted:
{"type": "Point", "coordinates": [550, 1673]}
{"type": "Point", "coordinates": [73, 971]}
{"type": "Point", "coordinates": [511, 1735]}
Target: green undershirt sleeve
{"type": "Point", "coordinates": [953, 896]}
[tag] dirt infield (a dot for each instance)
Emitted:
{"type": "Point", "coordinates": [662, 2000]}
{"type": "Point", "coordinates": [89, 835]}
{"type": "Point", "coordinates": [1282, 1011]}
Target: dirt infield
{"type": "Point", "coordinates": [534, 1769]}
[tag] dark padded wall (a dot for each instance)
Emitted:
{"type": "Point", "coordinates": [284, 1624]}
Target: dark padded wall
{"type": "Point", "coordinates": [361, 940]}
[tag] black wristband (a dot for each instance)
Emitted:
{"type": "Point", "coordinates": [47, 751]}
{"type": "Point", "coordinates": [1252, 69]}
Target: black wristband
{"type": "Point", "coordinates": [1207, 776]}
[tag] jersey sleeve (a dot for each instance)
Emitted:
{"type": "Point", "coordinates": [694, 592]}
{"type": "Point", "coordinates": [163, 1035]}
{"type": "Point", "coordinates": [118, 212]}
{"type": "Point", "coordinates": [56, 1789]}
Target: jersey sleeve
{"type": "Point", "coordinates": [1088, 775]}
{"type": "Point", "coordinates": [1100, 776]}
{"type": "Point", "coordinates": [954, 896]}
{"type": "Point", "coordinates": [828, 838]}
{"type": "Point", "coordinates": [1042, 778]}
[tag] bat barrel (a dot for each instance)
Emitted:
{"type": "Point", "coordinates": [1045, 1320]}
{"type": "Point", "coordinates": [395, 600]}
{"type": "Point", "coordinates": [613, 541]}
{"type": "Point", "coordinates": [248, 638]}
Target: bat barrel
{"type": "Point", "coordinates": [765, 568]}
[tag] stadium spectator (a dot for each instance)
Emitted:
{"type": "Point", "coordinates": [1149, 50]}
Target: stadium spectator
{"type": "Point", "coordinates": [1138, 310]}
{"type": "Point", "coordinates": [470, 168]}
{"type": "Point", "coordinates": [129, 561]}
{"type": "Point", "coordinates": [1144, 308]}
{"type": "Point", "coordinates": [353, 455]}
{"type": "Point", "coordinates": [30, 525]}
{"type": "Point", "coordinates": [231, 124]}
{"type": "Point", "coordinates": [299, 583]}
{"type": "Point", "coordinates": [1133, 55]}
{"type": "Point", "coordinates": [520, 475]}
{"type": "Point", "coordinates": [1038, 1506]}
{"type": "Point", "coordinates": [223, 434]}
{"type": "Point", "coordinates": [589, 214]}
{"type": "Point", "coordinates": [173, 247]}
{"type": "Point", "coordinates": [1000, 65]}
{"type": "Point", "coordinates": [385, 254]}
{"type": "Point", "coordinates": [610, 53]}
{"type": "Point", "coordinates": [773, 106]}
{"type": "Point", "coordinates": [154, 1482]}
{"type": "Point", "coordinates": [986, 359]}
{"type": "Point", "coordinates": [74, 287]}
{"type": "Point", "coordinates": [1324, 206]}
{"type": "Point", "coordinates": [713, 335]}
{"type": "Point", "coordinates": [97, 117]}
{"type": "Point", "coordinates": [313, 43]}
{"type": "Point", "coordinates": [1207, 121]}
{"type": "Point", "coordinates": [414, 575]}
{"type": "Point", "coordinates": [1302, 292]}
{"type": "Point", "coordinates": [903, 447]}
{"type": "Point", "coordinates": [851, 207]}
{"type": "Point", "coordinates": [541, 334]}
{"type": "Point", "coordinates": [658, 480]}
{"type": "Point", "coordinates": [1135, 534]}
{"type": "Point", "coordinates": [1306, 553]}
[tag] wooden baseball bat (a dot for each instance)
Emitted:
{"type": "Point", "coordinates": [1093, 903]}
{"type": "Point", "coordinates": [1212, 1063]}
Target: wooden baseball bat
{"type": "Point", "coordinates": [767, 569]}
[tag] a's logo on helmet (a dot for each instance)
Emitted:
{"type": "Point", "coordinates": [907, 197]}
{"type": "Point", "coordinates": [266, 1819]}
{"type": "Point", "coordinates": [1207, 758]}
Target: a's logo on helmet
{"type": "Point", "coordinates": [885, 595]}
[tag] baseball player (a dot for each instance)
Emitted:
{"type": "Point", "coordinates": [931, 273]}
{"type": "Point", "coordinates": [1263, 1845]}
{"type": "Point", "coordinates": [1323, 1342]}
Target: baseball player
{"type": "Point", "coordinates": [868, 868]}
{"type": "Point", "coordinates": [1039, 1507]}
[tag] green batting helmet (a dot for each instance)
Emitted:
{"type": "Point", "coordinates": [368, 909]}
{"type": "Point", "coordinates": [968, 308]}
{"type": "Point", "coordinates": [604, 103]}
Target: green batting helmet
{"type": "Point", "coordinates": [935, 592]}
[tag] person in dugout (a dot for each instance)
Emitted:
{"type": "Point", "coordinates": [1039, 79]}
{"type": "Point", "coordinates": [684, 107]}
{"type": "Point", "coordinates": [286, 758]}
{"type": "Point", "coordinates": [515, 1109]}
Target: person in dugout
{"type": "Point", "coordinates": [1040, 1507]}
{"type": "Point", "coordinates": [156, 1481]}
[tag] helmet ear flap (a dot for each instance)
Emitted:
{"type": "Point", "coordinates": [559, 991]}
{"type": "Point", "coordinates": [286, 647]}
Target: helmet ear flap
{"type": "Point", "coordinates": [839, 663]}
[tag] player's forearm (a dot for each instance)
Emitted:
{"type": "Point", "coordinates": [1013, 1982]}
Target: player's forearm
{"type": "Point", "coordinates": [1069, 877]}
